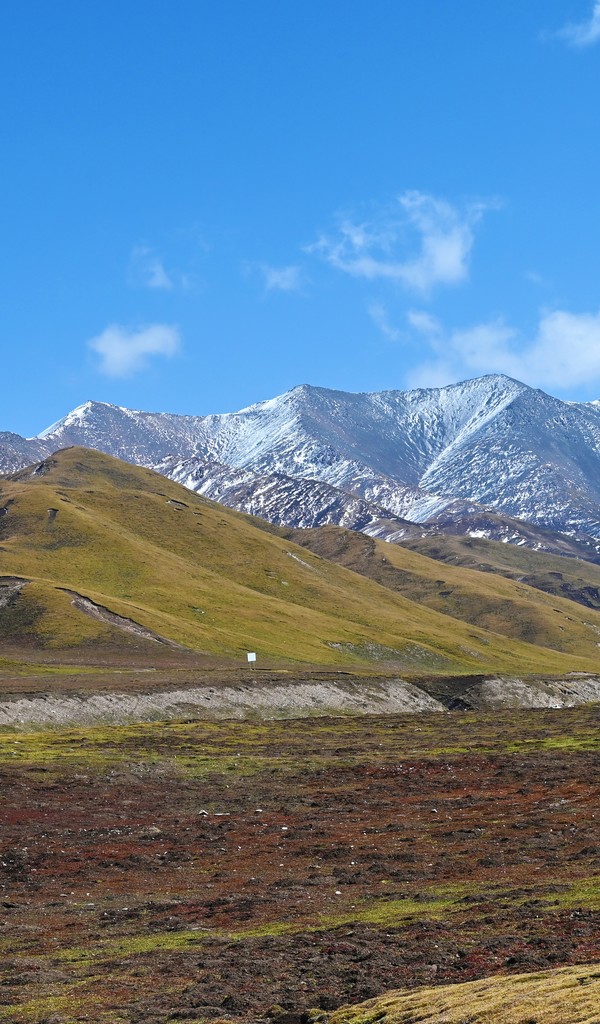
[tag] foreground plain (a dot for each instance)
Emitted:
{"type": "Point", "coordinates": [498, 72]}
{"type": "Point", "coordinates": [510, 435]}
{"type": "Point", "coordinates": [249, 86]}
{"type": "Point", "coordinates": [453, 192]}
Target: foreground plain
{"type": "Point", "coordinates": [255, 871]}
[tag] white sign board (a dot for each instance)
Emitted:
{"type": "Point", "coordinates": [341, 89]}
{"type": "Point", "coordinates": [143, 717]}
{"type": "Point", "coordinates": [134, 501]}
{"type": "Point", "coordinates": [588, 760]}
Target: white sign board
{"type": "Point", "coordinates": [251, 656]}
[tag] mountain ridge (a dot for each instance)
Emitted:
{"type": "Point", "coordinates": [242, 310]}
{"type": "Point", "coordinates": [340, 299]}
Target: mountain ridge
{"type": "Point", "coordinates": [489, 444]}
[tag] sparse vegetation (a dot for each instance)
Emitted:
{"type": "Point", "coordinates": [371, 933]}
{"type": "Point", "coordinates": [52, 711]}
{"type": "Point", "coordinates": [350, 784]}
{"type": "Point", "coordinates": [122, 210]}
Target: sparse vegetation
{"type": "Point", "coordinates": [575, 579]}
{"type": "Point", "coordinates": [214, 871]}
{"type": "Point", "coordinates": [259, 871]}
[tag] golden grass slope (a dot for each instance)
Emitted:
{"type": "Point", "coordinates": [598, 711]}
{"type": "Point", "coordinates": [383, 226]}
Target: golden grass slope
{"type": "Point", "coordinates": [485, 599]}
{"type": "Point", "coordinates": [209, 579]}
{"type": "Point", "coordinates": [567, 996]}
{"type": "Point", "coordinates": [568, 577]}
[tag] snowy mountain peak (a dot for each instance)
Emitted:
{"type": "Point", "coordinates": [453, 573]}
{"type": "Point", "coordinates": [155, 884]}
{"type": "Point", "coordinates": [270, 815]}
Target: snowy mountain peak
{"type": "Point", "coordinates": [78, 415]}
{"type": "Point", "coordinates": [490, 441]}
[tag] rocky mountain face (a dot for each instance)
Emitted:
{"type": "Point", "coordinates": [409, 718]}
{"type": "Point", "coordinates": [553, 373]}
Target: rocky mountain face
{"type": "Point", "coordinates": [483, 456]}
{"type": "Point", "coordinates": [16, 451]}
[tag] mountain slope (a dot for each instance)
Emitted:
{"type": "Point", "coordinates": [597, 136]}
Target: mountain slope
{"type": "Point", "coordinates": [571, 578]}
{"type": "Point", "coordinates": [17, 451]}
{"type": "Point", "coordinates": [281, 499]}
{"type": "Point", "coordinates": [196, 574]}
{"type": "Point", "coordinates": [487, 444]}
{"type": "Point", "coordinates": [487, 600]}
{"type": "Point", "coordinates": [304, 503]}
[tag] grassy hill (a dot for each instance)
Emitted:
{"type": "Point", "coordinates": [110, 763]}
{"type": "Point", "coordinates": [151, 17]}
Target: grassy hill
{"type": "Point", "coordinates": [484, 599]}
{"type": "Point", "coordinates": [137, 546]}
{"type": "Point", "coordinates": [567, 996]}
{"type": "Point", "coordinates": [573, 578]}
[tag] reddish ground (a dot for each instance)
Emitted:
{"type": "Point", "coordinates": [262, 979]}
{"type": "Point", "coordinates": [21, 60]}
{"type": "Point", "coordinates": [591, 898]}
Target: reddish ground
{"type": "Point", "coordinates": [251, 871]}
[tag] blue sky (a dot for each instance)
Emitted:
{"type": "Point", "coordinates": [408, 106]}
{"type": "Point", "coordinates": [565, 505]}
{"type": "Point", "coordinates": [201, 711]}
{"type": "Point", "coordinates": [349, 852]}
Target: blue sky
{"type": "Point", "coordinates": [205, 203]}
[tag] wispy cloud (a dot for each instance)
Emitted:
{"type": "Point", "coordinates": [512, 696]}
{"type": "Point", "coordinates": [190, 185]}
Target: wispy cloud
{"type": "Point", "coordinates": [534, 278]}
{"type": "Point", "coordinates": [564, 351]}
{"type": "Point", "coordinates": [425, 323]}
{"type": "Point", "coordinates": [379, 316]}
{"type": "Point", "coordinates": [281, 279]}
{"type": "Point", "coordinates": [419, 242]}
{"type": "Point", "coordinates": [583, 33]}
{"type": "Point", "coordinates": [147, 270]}
{"type": "Point", "coordinates": [124, 351]}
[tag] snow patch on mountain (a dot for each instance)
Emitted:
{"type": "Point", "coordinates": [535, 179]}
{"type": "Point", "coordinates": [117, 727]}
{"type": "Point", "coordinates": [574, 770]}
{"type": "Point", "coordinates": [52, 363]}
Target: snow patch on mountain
{"type": "Point", "coordinates": [443, 458]}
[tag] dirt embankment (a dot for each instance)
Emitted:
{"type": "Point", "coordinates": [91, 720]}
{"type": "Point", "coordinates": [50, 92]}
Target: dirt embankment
{"type": "Point", "coordinates": [554, 693]}
{"type": "Point", "coordinates": [246, 700]}
{"type": "Point", "coordinates": [294, 699]}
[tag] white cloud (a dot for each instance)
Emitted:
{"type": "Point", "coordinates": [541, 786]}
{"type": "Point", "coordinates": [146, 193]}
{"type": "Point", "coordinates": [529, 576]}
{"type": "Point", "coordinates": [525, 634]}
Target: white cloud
{"type": "Point", "coordinates": [583, 33]}
{"type": "Point", "coordinates": [534, 278]}
{"type": "Point", "coordinates": [420, 242]}
{"type": "Point", "coordinates": [147, 270]}
{"type": "Point", "coordinates": [380, 318]}
{"type": "Point", "coordinates": [564, 352]}
{"type": "Point", "coordinates": [434, 374]}
{"type": "Point", "coordinates": [425, 323]}
{"type": "Point", "coordinates": [124, 351]}
{"type": "Point", "coordinates": [281, 279]}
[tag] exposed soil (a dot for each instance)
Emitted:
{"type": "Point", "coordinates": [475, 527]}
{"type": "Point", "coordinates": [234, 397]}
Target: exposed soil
{"type": "Point", "coordinates": [151, 692]}
{"type": "Point", "coordinates": [249, 871]}
{"type": "Point", "coordinates": [286, 699]}
{"type": "Point", "coordinates": [10, 586]}
{"type": "Point", "coordinates": [102, 614]}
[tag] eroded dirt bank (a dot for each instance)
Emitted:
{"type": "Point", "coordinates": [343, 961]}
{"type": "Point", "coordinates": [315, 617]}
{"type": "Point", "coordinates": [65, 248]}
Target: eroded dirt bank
{"type": "Point", "coordinates": [275, 699]}
{"type": "Point", "coordinates": [248, 700]}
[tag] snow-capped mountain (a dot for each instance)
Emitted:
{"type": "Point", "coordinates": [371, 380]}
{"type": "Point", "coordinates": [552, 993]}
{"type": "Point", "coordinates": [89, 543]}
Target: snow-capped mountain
{"type": "Point", "coordinates": [314, 455]}
{"type": "Point", "coordinates": [279, 498]}
{"type": "Point", "coordinates": [17, 451]}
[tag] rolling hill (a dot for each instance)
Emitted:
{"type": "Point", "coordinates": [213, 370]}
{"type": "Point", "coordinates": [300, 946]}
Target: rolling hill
{"type": "Point", "coordinates": [503, 602]}
{"type": "Point", "coordinates": [573, 578]}
{"type": "Point", "coordinates": [94, 551]}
